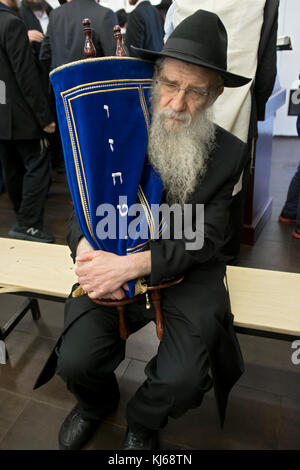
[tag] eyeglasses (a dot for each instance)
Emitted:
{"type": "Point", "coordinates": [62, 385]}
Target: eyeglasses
{"type": "Point", "coordinates": [171, 89]}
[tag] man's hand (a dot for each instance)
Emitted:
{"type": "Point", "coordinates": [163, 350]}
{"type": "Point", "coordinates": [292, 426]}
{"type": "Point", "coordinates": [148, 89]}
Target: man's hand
{"type": "Point", "coordinates": [50, 128]}
{"type": "Point", "coordinates": [83, 247]}
{"type": "Point", "coordinates": [102, 274]}
{"type": "Point", "coordinates": [35, 36]}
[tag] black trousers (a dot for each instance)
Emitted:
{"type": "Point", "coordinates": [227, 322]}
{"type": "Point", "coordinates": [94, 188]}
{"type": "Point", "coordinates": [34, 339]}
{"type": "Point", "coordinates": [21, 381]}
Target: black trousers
{"type": "Point", "coordinates": [177, 377]}
{"type": "Point", "coordinates": [27, 177]}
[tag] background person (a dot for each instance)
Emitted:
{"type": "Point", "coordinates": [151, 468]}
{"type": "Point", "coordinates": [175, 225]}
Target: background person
{"type": "Point", "coordinates": [64, 40]}
{"type": "Point", "coordinates": [145, 27]}
{"type": "Point", "coordinates": [25, 117]}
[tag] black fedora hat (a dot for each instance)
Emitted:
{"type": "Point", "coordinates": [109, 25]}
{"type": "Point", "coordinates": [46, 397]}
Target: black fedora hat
{"type": "Point", "coordinates": [200, 39]}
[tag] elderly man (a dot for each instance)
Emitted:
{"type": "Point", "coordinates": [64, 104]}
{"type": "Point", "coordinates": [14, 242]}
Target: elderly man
{"type": "Point", "coordinates": [199, 163]}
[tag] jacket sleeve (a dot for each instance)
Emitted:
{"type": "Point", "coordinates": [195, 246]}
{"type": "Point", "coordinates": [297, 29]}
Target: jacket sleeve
{"type": "Point", "coordinates": [45, 51]}
{"type": "Point", "coordinates": [170, 258]}
{"type": "Point", "coordinates": [74, 235]}
{"type": "Point", "coordinates": [22, 62]}
{"type": "Point", "coordinates": [267, 67]}
{"type": "Point", "coordinates": [134, 32]}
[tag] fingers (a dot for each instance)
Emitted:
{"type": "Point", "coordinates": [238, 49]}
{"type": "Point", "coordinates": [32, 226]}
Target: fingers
{"type": "Point", "coordinates": [86, 256]}
{"type": "Point", "coordinates": [35, 35]}
{"type": "Point", "coordinates": [50, 128]}
{"type": "Point", "coordinates": [118, 294]}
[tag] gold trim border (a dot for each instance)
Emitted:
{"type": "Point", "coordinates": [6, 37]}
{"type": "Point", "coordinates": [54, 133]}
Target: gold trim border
{"type": "Point", "coordinates": [96, 59]}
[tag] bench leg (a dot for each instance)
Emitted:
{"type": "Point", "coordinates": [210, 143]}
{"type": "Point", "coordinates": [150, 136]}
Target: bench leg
{"type": "Point", "coordinates": [35, 309]}
{"type": "Point", "coordinates": [29, 304]}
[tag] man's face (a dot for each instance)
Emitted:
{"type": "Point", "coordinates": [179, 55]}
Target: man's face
{"type": "Point", "coordinates": [182, 133]}
{"type": "Point", "coordinates": [185, 88]}
{"type": "Point", "coordinates": [35, 5]}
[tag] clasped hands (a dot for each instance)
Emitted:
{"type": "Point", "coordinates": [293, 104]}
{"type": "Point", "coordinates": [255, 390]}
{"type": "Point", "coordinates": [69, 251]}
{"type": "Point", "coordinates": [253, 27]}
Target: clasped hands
{"type": "Point", "coordinates": [104, 275]}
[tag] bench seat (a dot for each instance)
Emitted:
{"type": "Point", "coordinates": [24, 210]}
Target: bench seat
{"type": "Point", "coordinates": [264, 302]}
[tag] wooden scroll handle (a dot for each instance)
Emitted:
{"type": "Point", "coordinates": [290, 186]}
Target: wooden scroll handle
{"type": "Point", "coordinates": [120, 51]}
{"type": "Point", "coordinates": [89, 48]}
{"type": "Point", "coordinates": [156, 300]}
{"type": "Point", "coordinates": [121, 307]}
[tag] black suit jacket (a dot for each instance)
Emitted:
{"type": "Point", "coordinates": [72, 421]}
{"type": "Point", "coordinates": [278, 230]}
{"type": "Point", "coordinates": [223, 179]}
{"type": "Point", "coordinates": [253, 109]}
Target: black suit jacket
{"type": "Point", "coordinates": [64, 40]}
{"type": "Point", "coordinates": [202, 296]}
{"type": "Point", "coordinates": [24, 109]}
{"type": "Point", "coordinates": [32, 22]}
{"type": "Point", "coordinates": [266, 71]}
{"type": "Point", "coordinates": [145, 28]}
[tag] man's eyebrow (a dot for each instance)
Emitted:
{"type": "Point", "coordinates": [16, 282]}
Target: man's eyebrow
{"type": "Point", "coordinates": [163, 77]}
{"type": "Point", "coordinates": [175, 82]}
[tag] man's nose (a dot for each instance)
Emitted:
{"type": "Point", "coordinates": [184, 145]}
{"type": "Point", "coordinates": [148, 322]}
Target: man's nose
{"type": "Point", "coordinates": [178, 103]}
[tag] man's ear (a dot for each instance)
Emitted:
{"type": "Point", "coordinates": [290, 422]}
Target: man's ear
{"type": "Point", "coordinates": [218, 93]}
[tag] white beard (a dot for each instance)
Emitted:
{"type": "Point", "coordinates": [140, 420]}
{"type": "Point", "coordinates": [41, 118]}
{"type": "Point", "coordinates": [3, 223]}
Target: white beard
{"type": "Point", "coordinates": [179, 152]}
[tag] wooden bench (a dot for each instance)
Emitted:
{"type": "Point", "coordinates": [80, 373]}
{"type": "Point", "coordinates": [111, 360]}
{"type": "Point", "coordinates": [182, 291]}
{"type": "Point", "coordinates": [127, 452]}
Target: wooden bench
{"type": "Point", "coordinates": [264, 302]}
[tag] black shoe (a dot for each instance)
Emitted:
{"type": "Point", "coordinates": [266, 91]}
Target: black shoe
{"type": "Point", "coordinates": [76, 431]}
{"type": "Point", "coordinates": [30, 234]}
{"type": "Point", "coordinates": [134, 441]}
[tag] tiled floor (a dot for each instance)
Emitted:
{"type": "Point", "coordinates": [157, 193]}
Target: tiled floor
{"type": "Point", "coordinates": [264, 407]}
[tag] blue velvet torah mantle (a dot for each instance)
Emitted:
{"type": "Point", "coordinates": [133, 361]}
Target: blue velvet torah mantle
{"type": "Point", "coordinates": [103, 116]}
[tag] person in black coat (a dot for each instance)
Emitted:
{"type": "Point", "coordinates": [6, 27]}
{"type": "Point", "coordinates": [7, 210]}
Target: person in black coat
{"type": "Point", "coordinates": [261, 91]}
{"type": "Point", "coordinates": [25, 117]}
{"type": "Point", "coordinates": [35, 14]}
{"type": "Point", "coordinates": [199, 164]}
{"type": "Point", "coordinates": [33, 24]}
{"type": "Point", "coordinates": [64, 40]}
{"type": "Point", "coordinates": [145, 28]}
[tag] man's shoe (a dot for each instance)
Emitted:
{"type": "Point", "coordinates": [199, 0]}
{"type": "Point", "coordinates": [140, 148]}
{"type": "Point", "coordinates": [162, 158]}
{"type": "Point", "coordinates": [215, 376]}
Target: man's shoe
{"type": "Point", "coordinates": [287, 218]}
{"type": "Point", "coordinates": [296, 233]}
{"type": "Point", "coordinates": [31, 234]}
{"type": "Point", "coordinates": [134, 441]}
{"type": "Point", "coordinates": [76, 431]}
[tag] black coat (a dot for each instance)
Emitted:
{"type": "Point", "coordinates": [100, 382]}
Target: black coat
{"type": "Point", "coordinates": [266, 65]}
{"type": "Point", "coordinates": [145, 28]}
{"type": "Point", "coordinates": [32, 22]}
{"type": "Point", "coordinates": [64, 40]}
{"type": "Point", "coordinates": [25, 110]}
{"type": "Point", "coordinates": [202, 295]}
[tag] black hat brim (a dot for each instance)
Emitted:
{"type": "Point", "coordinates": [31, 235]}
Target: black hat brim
{"type": "Point", "coordinates": [231, 80]}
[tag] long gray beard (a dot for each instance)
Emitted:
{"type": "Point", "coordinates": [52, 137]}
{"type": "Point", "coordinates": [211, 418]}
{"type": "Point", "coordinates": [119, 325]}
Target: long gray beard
{"type": "Point", "coordinates": [180, 152]}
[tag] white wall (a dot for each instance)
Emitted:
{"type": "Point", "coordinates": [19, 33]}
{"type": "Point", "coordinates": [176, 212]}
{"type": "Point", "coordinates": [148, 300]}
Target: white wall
{"type": "Point", "coordinates": [288, 62]}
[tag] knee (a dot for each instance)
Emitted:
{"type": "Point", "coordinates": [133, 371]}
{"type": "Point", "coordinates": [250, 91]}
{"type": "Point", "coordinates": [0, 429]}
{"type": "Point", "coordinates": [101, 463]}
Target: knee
{"type": "Point", "coordinates": [188, 385]}
{"type": "Point", "coordinates": [73, 365]}
{"type": "Point", "coordinates": [87, 363]}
